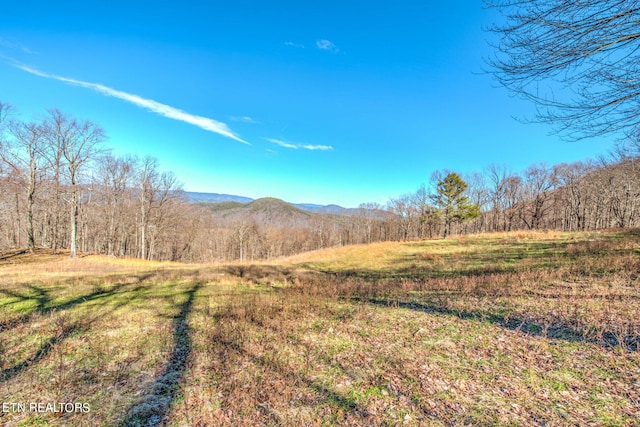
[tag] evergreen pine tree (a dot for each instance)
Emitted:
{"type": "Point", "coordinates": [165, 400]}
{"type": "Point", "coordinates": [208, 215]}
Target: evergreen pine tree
{"type": "Point", "coordinates": [452, 203]}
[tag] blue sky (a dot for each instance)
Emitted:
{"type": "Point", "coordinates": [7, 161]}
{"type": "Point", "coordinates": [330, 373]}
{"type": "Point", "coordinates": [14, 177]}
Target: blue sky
{"type": "Point", "coordinates": [332, 102]}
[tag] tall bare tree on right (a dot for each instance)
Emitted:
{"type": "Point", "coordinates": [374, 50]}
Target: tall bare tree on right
{"type": "Point", "coordinates": [578, 60]}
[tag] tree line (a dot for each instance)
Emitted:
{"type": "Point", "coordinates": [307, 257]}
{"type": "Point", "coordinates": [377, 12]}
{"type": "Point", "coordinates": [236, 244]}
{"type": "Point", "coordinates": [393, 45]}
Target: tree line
{"type": "Point", "coordinates": [584, 195]}
{"type": "Point", "coordinates": [62, 189]}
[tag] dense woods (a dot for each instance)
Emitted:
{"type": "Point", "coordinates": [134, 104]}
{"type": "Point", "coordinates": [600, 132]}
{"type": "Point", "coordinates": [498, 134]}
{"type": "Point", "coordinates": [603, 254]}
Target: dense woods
{"type": "Point", "coordinates": [61, 188]}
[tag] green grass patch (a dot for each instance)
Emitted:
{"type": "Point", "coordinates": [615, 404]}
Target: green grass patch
{"type": "Point", "coordinates": [505, 329]}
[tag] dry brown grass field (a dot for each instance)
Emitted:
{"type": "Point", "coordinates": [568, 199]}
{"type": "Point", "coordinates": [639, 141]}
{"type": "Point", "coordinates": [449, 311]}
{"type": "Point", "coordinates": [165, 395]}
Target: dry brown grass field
{"type": "Point", "coordinates": [519, 328]}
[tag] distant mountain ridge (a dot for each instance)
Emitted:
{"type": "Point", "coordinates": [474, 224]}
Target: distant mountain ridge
{"type": "Point", "coordinates": [195, 197]}
{"type": "Point", "coordinates": [213, 198]}
{"type": "Point", "coordinates": [264, 212]}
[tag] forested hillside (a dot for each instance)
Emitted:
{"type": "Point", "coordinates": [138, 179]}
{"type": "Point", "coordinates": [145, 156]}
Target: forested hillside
{"type": "Point", "coordinates": [61, 188]}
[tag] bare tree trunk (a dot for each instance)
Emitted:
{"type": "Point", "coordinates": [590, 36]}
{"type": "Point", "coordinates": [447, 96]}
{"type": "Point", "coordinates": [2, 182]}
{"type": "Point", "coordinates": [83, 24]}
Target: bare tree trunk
{"type": "Point", "coordinates": [31, 190]}
{"type": "Point", "coordinates": [17, 236]}
{"type": "Point", "coordinates": [74, 218]}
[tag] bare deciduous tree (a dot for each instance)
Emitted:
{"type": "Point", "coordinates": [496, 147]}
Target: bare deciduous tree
{"type": "Point", "coordinates": [25, 152]}
{"type": "Point", "coordinates": [539, 181]}
{"type": "Point", "coordinates": [114, 177]}
{"type": "Point", "coordinates": [148, 181]}
{"type": "Point", "coordinates": [578, 60]}
{"type": "Point", "coordinates": [78, 142]}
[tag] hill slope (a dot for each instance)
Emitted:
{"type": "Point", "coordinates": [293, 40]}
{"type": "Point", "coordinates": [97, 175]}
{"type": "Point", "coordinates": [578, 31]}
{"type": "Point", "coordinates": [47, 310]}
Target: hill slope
{"type": "Point", "coordinates": [496, 329]}
{"type": "Point", "coordinates": [266, 211]}
{"type": "Point", "coordinates": [213, 198]}
{"type": "Point", "coordinates": [195, 197]}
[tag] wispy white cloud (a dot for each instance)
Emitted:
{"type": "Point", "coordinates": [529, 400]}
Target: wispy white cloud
{"type": "Point", "coordinates": [148, 104]}
{"type": "Point", "coordinates": [327, 45]}
{"type": "Point", "coordinates": [244, 119]}
{"type": "Point", "coordinates": [292, 44]}
{"type": "Point", "coordinates": [317, 147]}
{"type": "Point", "coordinates": [282, 143]}
{"type": "Point", "coordinates": [299, 146]}
{"type": "Point", "coordinates": [16, 46]}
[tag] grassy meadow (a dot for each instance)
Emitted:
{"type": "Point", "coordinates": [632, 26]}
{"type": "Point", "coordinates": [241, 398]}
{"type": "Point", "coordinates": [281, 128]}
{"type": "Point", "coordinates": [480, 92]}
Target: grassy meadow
{"type": "Point", "coordinates": [495, 329]}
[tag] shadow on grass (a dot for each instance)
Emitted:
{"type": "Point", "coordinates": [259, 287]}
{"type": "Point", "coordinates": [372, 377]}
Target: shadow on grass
{"type": "Point", "coordinates": [64, 331]}
{"type": "Point", "coordinates": [8, 255]}
{"type": "Point", "coordinates": [606, 338]}
{"type": "Point", "coordinates": [475, 258]}
{"type": "Point", "coordinates": [254, 379]}
{"type": "Point", "coordinates": [151, 409]}
{"type": "Point", "coordinates": [43, 302]}
{"type": "Point", "coordinates": [41, 353]}
{"type": "Point", "coordinates": [416, 273]}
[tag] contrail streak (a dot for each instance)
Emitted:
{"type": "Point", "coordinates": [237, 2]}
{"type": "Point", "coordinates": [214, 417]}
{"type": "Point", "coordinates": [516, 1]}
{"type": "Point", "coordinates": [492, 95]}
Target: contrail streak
{"type": "Point", "coordinates": [148, 104]}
